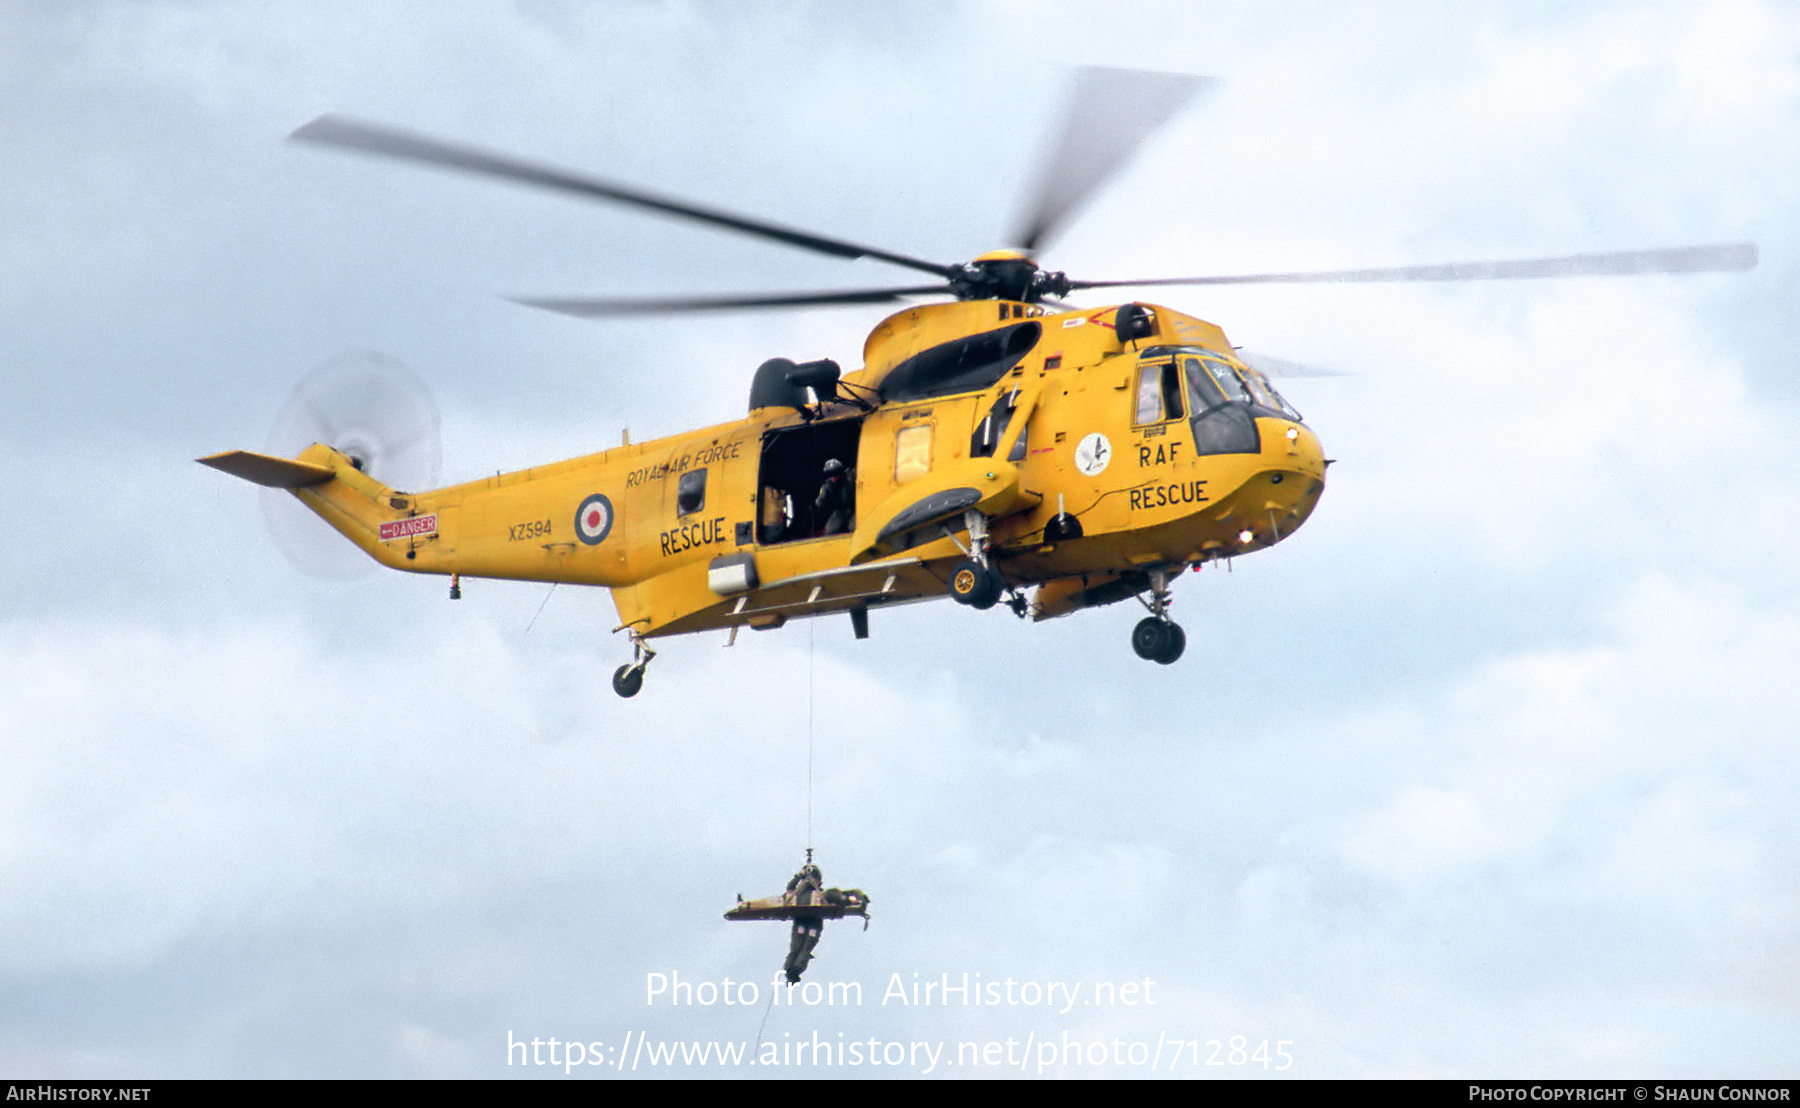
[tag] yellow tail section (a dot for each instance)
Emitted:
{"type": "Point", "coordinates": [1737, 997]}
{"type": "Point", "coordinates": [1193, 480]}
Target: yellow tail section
{"type": "Point", "coordinates": [386, 524]}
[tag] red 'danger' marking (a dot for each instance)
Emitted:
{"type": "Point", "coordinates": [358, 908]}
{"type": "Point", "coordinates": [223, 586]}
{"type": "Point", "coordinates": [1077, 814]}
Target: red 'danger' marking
{"type": "Point", "coordinates": [409, 528]}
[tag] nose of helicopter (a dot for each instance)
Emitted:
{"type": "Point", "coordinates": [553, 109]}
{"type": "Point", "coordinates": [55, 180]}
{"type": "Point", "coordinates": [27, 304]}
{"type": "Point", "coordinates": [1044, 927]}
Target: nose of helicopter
{"type": "Point", "coordinates": [1281, 497]}
{"type": "Point", "coordinates": [1295, 447]}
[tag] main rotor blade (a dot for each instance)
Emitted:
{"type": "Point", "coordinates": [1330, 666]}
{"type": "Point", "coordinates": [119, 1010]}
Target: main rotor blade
{"type": "Point", "coordinates": [373, 138]}
{"type": "Point", "coordinates": [1108, 115]}
{"type": "Point", "coordinates": [1271, 366]}
{"type": "Point", "coordinates": [1718, 258]}
{"type": "Point", "coordinates": [595, 307]}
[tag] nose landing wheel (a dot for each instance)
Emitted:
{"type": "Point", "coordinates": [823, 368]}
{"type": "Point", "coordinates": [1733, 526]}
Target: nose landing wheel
{"type": "Point", "coordinates": [1158, 639]}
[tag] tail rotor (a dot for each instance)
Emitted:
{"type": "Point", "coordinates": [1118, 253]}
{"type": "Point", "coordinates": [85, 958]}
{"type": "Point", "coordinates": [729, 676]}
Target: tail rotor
{"type": "Point", "coordinates": [377, 411]}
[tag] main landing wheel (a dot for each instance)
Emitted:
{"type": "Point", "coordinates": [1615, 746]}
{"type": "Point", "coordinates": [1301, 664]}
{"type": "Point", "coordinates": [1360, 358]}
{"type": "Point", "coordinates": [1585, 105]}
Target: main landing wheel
{"type": "Point", "coordinates": [974, 584]}
{"type": "Point", "coordinates": [627, 680]}
{"type": "Point", "coordinates": [1158, 640]}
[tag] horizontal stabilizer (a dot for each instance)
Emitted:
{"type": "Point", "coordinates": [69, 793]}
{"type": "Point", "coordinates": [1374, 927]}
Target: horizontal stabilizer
{"type": "Point", "coordinates": [264, 469]}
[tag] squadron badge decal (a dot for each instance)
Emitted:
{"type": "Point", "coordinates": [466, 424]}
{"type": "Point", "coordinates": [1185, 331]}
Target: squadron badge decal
{"type": "Point", "coordinates": [1092, 454]}
{"type": "Point", "coordinates": [594, 519]}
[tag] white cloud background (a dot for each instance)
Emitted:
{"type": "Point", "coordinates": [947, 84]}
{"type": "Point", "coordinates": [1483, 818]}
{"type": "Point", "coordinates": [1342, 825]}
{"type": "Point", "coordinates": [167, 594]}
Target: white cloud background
{"type": "Point", "coordinates": [1487, 771]}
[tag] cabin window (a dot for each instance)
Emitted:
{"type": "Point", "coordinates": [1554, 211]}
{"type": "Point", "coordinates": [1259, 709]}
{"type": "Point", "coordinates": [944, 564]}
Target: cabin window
{"type": "Point", "coordinates": [912, 452]}
{"type": "Point", "coordinates": [992, 427]}
{"type": "Point", "coordinates": [690, 493]}
{"type": "Point", "coordinates": [1158, 393]}
{"type": "Point", "coordinates": [962, 365]}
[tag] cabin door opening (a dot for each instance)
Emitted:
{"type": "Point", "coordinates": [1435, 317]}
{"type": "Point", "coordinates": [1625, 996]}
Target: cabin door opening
{"type": "Point", "coordinates": [795, 498]}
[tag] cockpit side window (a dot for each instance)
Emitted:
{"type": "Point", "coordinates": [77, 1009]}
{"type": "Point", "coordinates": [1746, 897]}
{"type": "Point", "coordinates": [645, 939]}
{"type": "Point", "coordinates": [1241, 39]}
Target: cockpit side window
{"type": "Point", "coordinates": [1158, 393]}
{"type": "Point", "coordinates": [1171, 389]}
{"type": "Point", "coordinates": [1205, 391]}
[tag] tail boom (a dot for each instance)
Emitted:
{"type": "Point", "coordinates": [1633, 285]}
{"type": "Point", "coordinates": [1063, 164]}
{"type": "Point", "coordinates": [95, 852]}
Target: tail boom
{"type": "Point", "coordinates": [387, 525]}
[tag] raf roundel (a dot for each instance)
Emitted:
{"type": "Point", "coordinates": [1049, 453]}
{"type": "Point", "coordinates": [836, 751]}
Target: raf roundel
{"type": "Point", "coordinates": [594, 519]}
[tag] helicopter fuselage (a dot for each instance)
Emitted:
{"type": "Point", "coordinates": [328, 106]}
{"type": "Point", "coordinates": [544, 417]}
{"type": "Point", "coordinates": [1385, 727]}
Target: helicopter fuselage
{"type": "Point", "coordinates": [1082, 459]}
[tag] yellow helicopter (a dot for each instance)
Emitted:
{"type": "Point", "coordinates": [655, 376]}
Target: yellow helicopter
{"type": "Point", "coordinates": [999, 441]}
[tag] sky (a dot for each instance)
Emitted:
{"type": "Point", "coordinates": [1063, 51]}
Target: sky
{"type": "Point", "coordinates": [1486, 771]}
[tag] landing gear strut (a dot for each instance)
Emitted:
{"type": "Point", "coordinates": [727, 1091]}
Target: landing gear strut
{"type": "Point", "coordinates": [1158, 639]}
{"type": "Point", "coordinates": [627, 680]}
{"type": "Point", "coordinates": [974, 581]}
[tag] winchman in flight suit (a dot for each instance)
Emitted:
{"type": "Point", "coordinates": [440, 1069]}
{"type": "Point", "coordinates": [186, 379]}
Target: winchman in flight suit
{"type": "Point", "coordinates": [806, 886]}
{"type": "Point", "coordinates": [831, 508]}
{"type": "Point", "coordinates": [808, 905]}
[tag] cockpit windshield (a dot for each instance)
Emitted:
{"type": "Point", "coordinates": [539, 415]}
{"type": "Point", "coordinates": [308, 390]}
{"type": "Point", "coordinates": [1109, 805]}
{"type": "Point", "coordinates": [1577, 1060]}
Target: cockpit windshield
{"type": "Point", "coordinates": [1212, 381]}
{"type": "Point", "coordinates": [1266, 395]}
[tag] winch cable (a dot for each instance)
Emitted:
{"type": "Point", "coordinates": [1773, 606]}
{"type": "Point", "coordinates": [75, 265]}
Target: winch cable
{"type": "Point", "coordinates": [810, 624]}
{"type": "Point", "coordinates": [757, 1049]}
{"type": "Point", "coordinates": [540, 608]}
{"type": "Point", "coordinates": [810, 688]}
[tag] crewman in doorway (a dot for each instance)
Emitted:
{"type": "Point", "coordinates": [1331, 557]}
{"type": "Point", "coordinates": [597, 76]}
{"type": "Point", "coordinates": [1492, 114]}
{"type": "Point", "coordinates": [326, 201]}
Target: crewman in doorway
{"type": "Point", "coordinates": [833, 502]}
